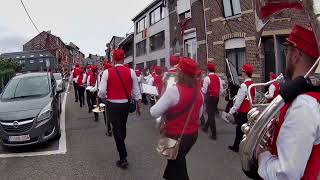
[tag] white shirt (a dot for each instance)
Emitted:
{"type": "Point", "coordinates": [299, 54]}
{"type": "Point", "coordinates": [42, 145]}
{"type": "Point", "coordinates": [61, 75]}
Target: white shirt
{"type": "Point", "coordinates": [271, 91]}
{"type": "Point", "coordinates": [206, 83]}
{"type": "Point", "coordinates": [298, 134]}
{"type": "Point", "coordinates": [103, 87]}
{"type": "Point", "coordinates": [169, 99]}
{"type": "Point", "coordinates": [84, 79]}
{"type": "Point", "coordinates": [242, 93]}
{"type": "Point", "coordinates": [150, 81]}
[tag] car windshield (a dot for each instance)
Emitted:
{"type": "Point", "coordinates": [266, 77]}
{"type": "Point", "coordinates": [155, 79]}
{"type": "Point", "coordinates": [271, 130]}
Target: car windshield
{"type": "Point", "coordinates": [57, 76]}
{"type": "Point", "coordinates": [26, 87]}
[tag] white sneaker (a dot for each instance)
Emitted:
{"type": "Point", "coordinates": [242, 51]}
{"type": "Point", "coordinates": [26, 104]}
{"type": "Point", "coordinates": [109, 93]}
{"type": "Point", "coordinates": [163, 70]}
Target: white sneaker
{"type": "Point", "coordinates": [224, 117]}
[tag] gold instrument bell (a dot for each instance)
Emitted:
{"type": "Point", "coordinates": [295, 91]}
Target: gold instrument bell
{"type": "Point", "coordinates": [99, 108]}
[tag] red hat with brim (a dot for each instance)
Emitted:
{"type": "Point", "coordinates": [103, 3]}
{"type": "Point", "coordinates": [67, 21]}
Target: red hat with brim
{"type": "Point", "coordinates": [211, 67]}
{"type": "Point", "coordinates": [274, 76]}
{"type": "Point", "coordinates": [118, 55]}
{"type": "Point", "coordinates": [107, 65]}
{"type": "Point", "coordinates": [94, 68]}
{"type": "Point", "coordinates": [304, 40]}
{"type": "Point", "coordinates": [247, 68]}
{"type": "Point", "coordinates": [158, 70]}
{"type": "Point", "coordinates": [188, 66]}
{"type": "Point", "coordinates": [174, 60]}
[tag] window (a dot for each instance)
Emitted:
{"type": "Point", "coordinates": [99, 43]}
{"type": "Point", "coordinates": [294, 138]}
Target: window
{"type": "Point", "coordinates": [157, 41]}
{"type": "Point", "coordinates": [190, 47]}
{"type": "Point", "coordinates": [141, 25]}
{"type": "Point", "coordinates": [184, 15]}
{"type": "Point", "coordinates": [183, 6]}
{"type": "Point", "coordinates": [40, 60]}
{"type": "Point", "coordinates": [231, 7]}
{"type": "Point", "coordinates": [140, 65]}
{"type": "Point", "coordinates": [141, 48]}
{"type": "Point", "coordinates": [163, 62]}
{"type": "Point", "coordinates": [176, 47]}
{"type": "Point", "coordinates": [156, 15]}
{"type": "Point", "coordinates": [151, 63]}
{"type": "Point", "coordinates": [31, 61]}
{"type": "Point", "coordinates": [237, 57]}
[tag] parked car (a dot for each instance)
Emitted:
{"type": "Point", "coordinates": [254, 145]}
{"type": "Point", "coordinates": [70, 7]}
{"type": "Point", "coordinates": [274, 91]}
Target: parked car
{"type": "Point", "coordinates": [29, 110]}
{"type": "Point", "coordinates": [60, 82]}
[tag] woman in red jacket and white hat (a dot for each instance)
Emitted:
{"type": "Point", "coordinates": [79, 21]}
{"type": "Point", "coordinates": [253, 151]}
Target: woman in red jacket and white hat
{"type": "Point", "coordinates": [175, 104]}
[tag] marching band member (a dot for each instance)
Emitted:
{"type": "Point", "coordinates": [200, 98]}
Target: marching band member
{"type": "Point", "coordinates": [157, 81]}
{"type": "Point", "coordinates": [176, 103]}
{"type": "Point", "coordinates": [88, 72]}
{"type": "Point", "coordinates": [92, 94]}
{"type": "Point", "coordinates": [242, 106]}
{"type": "Point", "coordinates": [295, 145]}
{"type": "Point", "coordinates": [75, 73]}
{"type": "Point", "coordinates": [174, 60]}
{"type": "Point", "coordinates": [139, 77]}
{"type": "Point", "coordinates": [80, 86]}
{"type": "Point", "coordinates": [116, 85]}
{"type": "Point", "coordinates": [212, 88]}
{"type": "Point", "coordinates": [274, 89]}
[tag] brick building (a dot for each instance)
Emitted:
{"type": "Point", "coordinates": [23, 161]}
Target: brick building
{"type": "Point", "coordinates": [230, 33]}
{"type": "Point", "coordinates": [187, 29]}
{"type": "Point", "coordinates": [47, 41]}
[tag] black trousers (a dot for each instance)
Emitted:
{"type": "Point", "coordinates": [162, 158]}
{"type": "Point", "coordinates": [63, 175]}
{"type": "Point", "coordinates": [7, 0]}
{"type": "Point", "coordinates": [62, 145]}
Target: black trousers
{"type": "Point", "coordinates": [92, 100]}
{"type": "Point", "coordinates": [177, 169]}
{"type": "Point", "coordinates": [76, 96]}
{"type": "Point", "coordinates": [81, 95]}
{"type": "Point", "coordinates": [105, 115]}
{"type": "Point", "coordinates": [212, 107]}
{"type": "Point", "coordinates": [229, 106]}
{"type": "Point", "coordinates": [144, 99]}
{"type": "Point", "coordinates": [240, 119]}
{"type": "Point", "coordinates": [118, 114]}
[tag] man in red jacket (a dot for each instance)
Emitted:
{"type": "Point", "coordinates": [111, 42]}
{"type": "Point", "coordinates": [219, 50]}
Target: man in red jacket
{"type": "Point", "coordinates": [274, 88]}
{"type": "Point", "coordinates": [242, 105]}
{"type": "Point", "coordinates": [212, 88]}
{"type": "Point", "coordinates": [295, 144]}
{"type": "Point", "coordinates": [117, 86]}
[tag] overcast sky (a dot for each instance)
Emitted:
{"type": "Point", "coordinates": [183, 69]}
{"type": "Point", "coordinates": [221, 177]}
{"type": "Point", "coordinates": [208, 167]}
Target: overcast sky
{"type": "Point", "coordinates": [87, 23]}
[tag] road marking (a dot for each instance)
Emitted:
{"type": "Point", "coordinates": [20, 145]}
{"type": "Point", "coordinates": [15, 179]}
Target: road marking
{"type": "Point", "coordinates": [62, 141]}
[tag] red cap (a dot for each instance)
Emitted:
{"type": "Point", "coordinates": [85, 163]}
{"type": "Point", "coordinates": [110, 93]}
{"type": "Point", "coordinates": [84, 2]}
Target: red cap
{"type": "Point", "coordinates": [174, 60]}
{"type": "Point", "coordinates": [304, 40]}
{"type": "Point", "coordinates": [127, 65]}
{"type": "Point", "coordinates": [81, 71]}
{"type": "Point", "coordinates": [107, 65]}
{"type": "Point", "coordinates": [273, 76]}
{"type": "Point", "coordinates": [211, 67]}
{"type": "Point", "coordinates": [188, 66]}
{"type": "Point", "coordinates": [77, 65]}
{"type": "Point", "coordinates": [158, 70]}
{"type": "Point", "coordinates": [118, 55]}
{"type": "Point", "coordinates": [94, 68]}
{"type": "Point", "coordinates": [247, 68]}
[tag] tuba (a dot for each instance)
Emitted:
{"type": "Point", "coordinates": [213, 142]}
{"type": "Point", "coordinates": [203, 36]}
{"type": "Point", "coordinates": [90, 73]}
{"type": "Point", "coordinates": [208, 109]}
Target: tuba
{"type": "Point", "coordinates": [263, 117]}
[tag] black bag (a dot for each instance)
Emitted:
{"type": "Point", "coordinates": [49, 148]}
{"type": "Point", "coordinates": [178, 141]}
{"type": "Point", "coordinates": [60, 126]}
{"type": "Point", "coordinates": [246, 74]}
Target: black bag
{"type": "Point", "coordinates": [132, 103]}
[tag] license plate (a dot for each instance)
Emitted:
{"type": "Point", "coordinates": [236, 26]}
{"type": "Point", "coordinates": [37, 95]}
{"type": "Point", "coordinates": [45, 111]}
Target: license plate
{"type": "Point", "coordinates": [19, 138]}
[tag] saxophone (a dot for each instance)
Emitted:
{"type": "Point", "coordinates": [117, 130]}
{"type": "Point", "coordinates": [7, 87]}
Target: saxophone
{"type": "Point", "coordinates": [262, 118]}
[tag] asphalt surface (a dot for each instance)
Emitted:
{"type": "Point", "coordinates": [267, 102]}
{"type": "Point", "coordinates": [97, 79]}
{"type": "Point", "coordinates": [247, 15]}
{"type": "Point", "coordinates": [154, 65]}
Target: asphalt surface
{"type": "Point", "coordinates": [92, 155]}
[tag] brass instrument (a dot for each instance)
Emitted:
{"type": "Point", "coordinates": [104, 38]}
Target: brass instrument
{"type": "Point", "coordinates": [262, 118]}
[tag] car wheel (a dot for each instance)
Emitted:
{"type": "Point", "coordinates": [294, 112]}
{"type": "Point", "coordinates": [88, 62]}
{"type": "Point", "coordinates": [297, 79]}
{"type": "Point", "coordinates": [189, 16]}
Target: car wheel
{"type": "Point", "coordinates": [58, 130]}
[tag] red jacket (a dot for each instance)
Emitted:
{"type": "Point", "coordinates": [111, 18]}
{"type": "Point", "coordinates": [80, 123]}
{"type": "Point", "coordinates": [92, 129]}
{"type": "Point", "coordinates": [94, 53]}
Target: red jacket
{"type": "Point", "coordinates": [114, 87]}
{"type": "Point", "coordinates": [79, 80]}
{"type": "Point", "coordinates": [312, 170]}
{"type": "Point", "coordinates": [174, 122]}
{"type": "Point", "coordinates": [92, 80]}
{"type": "Point", "coordinates": [245, 106]}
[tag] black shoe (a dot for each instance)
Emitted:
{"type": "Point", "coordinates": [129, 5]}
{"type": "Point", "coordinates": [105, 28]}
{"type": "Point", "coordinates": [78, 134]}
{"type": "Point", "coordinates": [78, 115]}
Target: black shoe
{"type": "Point", "coordinates": [213, 137]}
{"type": "Point", "coordinates": [109, 133]}
{"type": "Point", "coordinates": [96, 119]}
{"type": "Point", "coordinates": [123, 164]}
{"type": "Point", "coordinates": [81, 105]}
{"type": "Point", "coordinates": [205, 129]}
{"type": "Point", "coordinates": [233, 149]}
{"type": "Point", "coordinates": [76, 101]}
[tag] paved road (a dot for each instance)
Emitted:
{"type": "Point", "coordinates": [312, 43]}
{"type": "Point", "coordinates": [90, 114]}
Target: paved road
{"type": "Point", "coordinates": [92, 155]}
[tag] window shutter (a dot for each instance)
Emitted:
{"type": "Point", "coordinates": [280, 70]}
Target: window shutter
{"type": "Point", "coordinates": [183, 6]}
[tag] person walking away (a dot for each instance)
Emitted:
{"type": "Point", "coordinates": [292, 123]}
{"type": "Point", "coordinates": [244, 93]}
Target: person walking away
{"type": "Point", "coordinates": [157, 81]}
{"type": "Point", "coordinates": [175, 105]}
{"type": "Point", "coordinates": [212, 88]}
{"type": "Point", "coordinates": [118, 85]}
{"type": "Point", "coordinates": [75, 74]}
{"type": "Point", "coordinates": [273, 90]}
{"type": "Point", "coordinates": [294, 152]}
{"type": "Point", "coordinates": [92, 93]}
{"type": "Point", "coordinates": [80, 86]}
{"type": "Point", "coordinates": [242, 105]}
